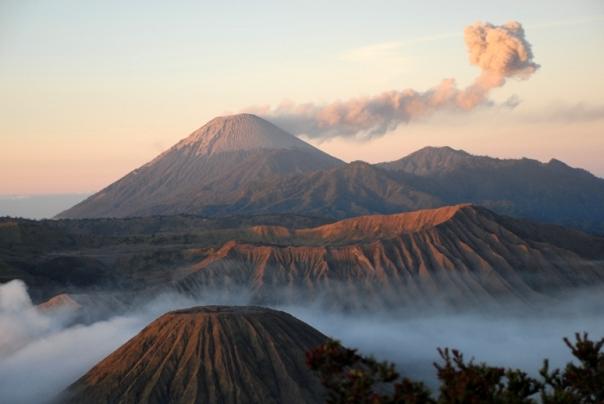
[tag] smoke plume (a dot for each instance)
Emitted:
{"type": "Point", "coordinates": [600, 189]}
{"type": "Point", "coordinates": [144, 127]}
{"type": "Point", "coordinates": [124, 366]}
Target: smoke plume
{"type": "Point", "coordinates": [500, 52]}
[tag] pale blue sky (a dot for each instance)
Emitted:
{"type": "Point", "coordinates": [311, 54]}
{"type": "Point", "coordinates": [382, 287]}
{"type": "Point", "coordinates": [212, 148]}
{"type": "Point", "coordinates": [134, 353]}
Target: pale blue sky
{"type": "Point", "coordinates": [90, 90]}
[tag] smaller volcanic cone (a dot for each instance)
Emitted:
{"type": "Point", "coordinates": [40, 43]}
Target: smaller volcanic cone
{"type": "Point", "coordinates": [213, 354]}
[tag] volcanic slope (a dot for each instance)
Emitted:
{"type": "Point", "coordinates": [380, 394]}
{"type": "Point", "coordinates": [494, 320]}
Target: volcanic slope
{"type": "Point", "coordinates": [208, 167]}
{"type": "Point", "coordinates": [458, 254]}
{"type": "Point", "coordinates": [547, 192]}
{"type": "Point", "coordinates": [347, 190]}
{"type": "Point", "coordinates": [212, 354]}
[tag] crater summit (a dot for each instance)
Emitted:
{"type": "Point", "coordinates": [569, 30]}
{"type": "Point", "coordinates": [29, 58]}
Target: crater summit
{"type": "Point", "coordinates": [211, 354]}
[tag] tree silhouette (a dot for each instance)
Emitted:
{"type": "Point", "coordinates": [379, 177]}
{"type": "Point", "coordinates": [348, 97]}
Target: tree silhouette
{"type": "Point", "coordinates": [349, 377]}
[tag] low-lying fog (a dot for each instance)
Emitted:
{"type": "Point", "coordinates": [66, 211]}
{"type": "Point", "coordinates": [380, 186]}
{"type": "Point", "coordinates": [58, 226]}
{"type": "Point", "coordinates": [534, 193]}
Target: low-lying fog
{"type": "Point", "coordinates": [40, 354]}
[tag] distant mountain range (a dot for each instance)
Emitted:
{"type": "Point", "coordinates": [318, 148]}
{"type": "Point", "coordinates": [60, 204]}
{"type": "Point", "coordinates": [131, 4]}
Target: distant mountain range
{"type": "Point", "coordinates": [43, 206]}
{"type": "Point", "coordinates": [244, 165]}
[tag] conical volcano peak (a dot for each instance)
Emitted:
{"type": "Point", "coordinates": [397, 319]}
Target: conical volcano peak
{"type": "Point", "coordinates": [212, 165]}
{"type": "Point", "coordinates": [215, 354]}
{"type": "Point", "coordinates": [237, 133]}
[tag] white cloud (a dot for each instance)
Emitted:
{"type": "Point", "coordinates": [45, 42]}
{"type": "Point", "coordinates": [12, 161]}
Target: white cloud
{"type": "Point", "coordinates": [55, 355]}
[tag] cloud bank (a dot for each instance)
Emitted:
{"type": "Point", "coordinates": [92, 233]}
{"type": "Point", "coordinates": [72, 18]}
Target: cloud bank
{"type": "Point", "coordinates": [20, 322]}
{"type": "Point", "coordinates": [41, 352]}
{"type": "Point", "coordinates": [500, 51]}
{"type": "Point", "coordinates": [53, 354]}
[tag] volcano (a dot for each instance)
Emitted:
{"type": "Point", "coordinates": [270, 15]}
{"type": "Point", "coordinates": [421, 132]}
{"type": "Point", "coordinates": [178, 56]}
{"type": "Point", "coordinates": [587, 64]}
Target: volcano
{"type": "Point", "coordinates": [455, 255]}
{"type": "Point", "coordinates": [208, 167]}
{"type": "Point", "coordinates": [211, 354]}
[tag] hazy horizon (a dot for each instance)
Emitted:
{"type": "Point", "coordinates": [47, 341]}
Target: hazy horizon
{"type": "Point", "coordinates": [38, 206]}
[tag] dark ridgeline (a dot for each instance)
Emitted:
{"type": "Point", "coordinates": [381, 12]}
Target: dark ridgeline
{"type": "Point", "coordinates": [549, 192]}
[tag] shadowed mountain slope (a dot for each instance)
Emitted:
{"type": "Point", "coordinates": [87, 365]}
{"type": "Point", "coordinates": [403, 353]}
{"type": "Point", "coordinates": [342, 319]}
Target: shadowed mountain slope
{"type": "Point", "coordinates": [208, 167]}
{"type": "Point", "coordinates": [213, 354]}
{"type": "Point", "coordinates": [549, 192]}
{"type": "Point", "coordinates": [348, 190]}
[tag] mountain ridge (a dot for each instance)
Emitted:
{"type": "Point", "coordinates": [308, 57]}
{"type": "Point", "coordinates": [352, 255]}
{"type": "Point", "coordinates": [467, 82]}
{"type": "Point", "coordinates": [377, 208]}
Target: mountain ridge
{"type": "Point", "coordinates": [433, 159]}
{"type": "Point", "coordinates": [549, 192]}
{"type": "Point", "coordinates": [460, 255]}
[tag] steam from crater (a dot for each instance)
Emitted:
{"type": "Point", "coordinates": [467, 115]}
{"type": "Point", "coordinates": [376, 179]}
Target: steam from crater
{"type": "Point", "coordinates": [500, 51]}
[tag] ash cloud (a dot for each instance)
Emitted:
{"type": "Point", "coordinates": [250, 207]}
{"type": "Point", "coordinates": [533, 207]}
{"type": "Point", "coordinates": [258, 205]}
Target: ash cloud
{"type": "Point", "coordinates": [500, 51]}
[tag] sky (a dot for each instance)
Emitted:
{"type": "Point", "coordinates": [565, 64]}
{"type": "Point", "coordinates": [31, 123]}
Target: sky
{"type": "Point", "coordinates": [91, 90]}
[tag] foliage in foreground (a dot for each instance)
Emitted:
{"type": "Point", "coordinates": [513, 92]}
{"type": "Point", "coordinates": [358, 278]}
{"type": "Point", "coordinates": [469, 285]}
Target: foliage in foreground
{"type": "Point", "coordinates": [352, 378]}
